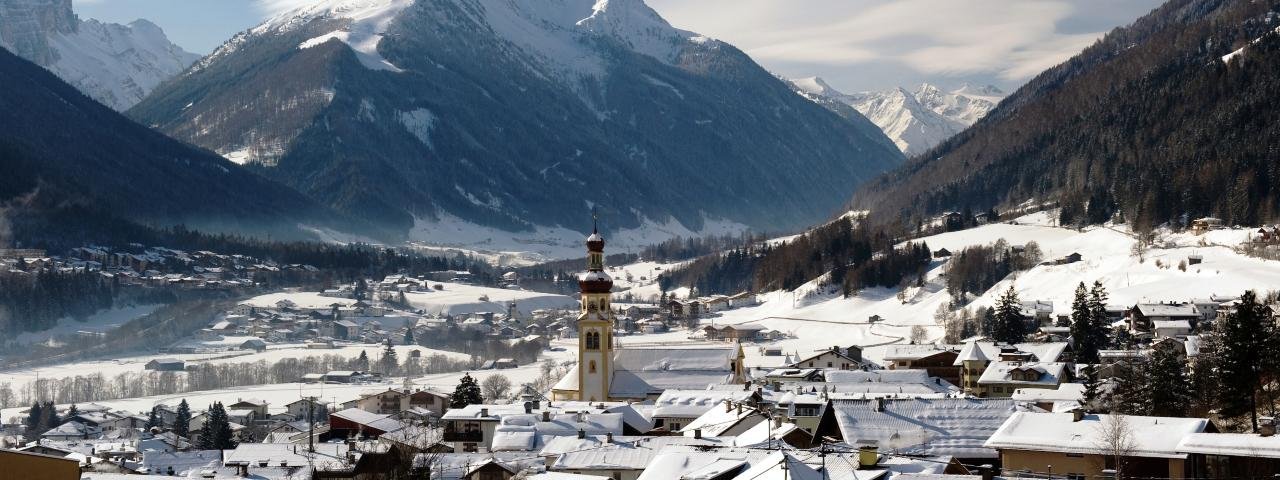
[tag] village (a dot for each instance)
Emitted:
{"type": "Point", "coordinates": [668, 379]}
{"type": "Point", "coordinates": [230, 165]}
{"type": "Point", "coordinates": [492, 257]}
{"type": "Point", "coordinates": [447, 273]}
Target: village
{"type": "Point", "coordinates": [689, 388]}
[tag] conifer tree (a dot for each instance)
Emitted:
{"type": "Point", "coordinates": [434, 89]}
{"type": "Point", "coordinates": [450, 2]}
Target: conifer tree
{"type": "Point", "coordinates": [1168, 389]}
{"type": "Point", "coordinates": [225, 437]}
{"type": "Point", "coordinates": [1010, 327]}
{"type": "Point", "coordinates": [153, 418]}
{"type": "Point", "coordinates": [72, 411]}
{"type": "Point", "coordinates": [34, 418]}
{"type": "Point", "coordinates": [1239, 361]}
{"type": "Point", "coordinates": [467, 393]}
{"type": "Point", "coordinates": [408, 336]}
{"type": "Point", "coordinates": [182, 421]}
{"type": "Point", "coordinates": [1098, 326]}
{"type": "Point", "coordinates": [1129, 389]}
{"type": "Point", "coordinates": [51, 415]}
{"type": "Point", "coordinates": [1080, 324]}
{"type": "Point", "coordinates": [1090, 386]}
{"type": "Point", "coordinates": [362, 362]}
{"type": "Point", "coordinates": [389, 361]}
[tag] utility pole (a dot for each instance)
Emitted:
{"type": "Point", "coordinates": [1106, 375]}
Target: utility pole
{"type": "Point", "coordinates": [311, 425]}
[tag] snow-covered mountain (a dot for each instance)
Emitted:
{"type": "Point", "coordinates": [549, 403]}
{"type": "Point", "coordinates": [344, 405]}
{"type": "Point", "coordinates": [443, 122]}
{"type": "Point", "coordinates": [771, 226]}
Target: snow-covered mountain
{"type": "Point", "coordinates": [115, 64]}
{"type": "Point", "coordinates": [915, 120]}
{"type": "Point", "coordinates": [519, 115]}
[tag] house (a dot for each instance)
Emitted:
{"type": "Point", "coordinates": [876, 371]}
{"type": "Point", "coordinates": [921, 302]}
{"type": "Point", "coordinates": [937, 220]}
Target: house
{"type": "Point", "coordinates": [1200, 226]}
{"type": "Point", "coordinates": [1235, 455]}
{"type": "Point", "coordinates": [939, 361]}
{"type": "Point", "coordinates": [35, 466]}
{"type": "Point", "coordinates": [684, 308]}
{"type": "Point", "coordinates": [676, 408]}
{"type": "Point", "coordinates": [1001, 379]}
{"type": "Point", "coordinates": [258, 407]}
{"type": "Point", "coordinates": [346, 330]}
{"type": "Point", "coordinates": [835, 357]}
{"type": "Point", "coordinates": [255, 344]}
{"type": "Point", "coordinates": [166, 365]}
{"type": "Point", "coordinates": [943, 427]}
{"type": "Point", "coordinates": [1076, 445]}
{"type": "Point", "coordinates": [743, 299]}
{"type": "Point", "coordinates": [941, 253]}
{"type": "Point", "coordinates": [301, 408]}
{"type": "Point", "coordinates": [1171, 328]}
{"type": "Point", "coordinates": [72, 430]}
{"type": "Point", "coordinates": [1142, 315]}
{"type": "Point", "coordinates": [357, 423]}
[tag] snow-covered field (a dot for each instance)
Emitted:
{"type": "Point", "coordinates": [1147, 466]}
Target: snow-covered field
{"type": "Point", "coordinates": [457, 299]}
{"type": "Point", "coordinates": [100, 322]}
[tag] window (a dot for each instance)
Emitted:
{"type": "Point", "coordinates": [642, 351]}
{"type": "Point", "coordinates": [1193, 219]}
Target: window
{"type": "Point", "coordinates": [674, 426]}
{"type": "Point", "coordinates": [806, 410]}
{"type": "Point", "coordinates": [591, 367]}
{"type": "Point", "coordinates": [592, 340]}
{"type": "Point", "coordinates": [1075, 476]}
{"type": "Point", "coordinates": [828, 364]}
{"type": "Point", "coordinates": [469, 447]}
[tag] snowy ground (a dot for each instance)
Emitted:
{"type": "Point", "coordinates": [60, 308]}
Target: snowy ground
{"type": "Point", "coordinates": [100, 322]}
{"type": "Point", "coordinates": [457, 299]}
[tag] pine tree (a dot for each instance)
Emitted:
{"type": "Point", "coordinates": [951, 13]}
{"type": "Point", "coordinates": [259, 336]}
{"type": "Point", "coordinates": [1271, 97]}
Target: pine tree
{"type": "Point", "coordinates": [1168, 389]}
{"type": "Point", "coordinates": [1098, 325]}
{"type": "Point", "coordinates": [1090, 386]}
{"type": "Point", "coordinates": [1081, 323]}
{"type": "Point", "coordinates": [207, 440]}
{"type": "Point", "coordinates": [72, 411]}
{"type": "Point", "coordinates": [467, 393]}
{"type": "Point", "coordinates": [1010, 327]}
{"type": "Point", "coordinates": [1206, 383]}
{"type": "Point", "coordinates": [34, 419]}
{"type": "Point", "coordinates": [1129, 389]}
{"type": "Point", "coordinates": [153, 419]}
{"type": "Point", "coordinates": [408, 336]}
{"type": "Point", "coordinates": [226, 438]}
{"type": "Point", "coordinates": [1240, 358]}
{"type": "Point", "coordinates": [988, 321]}
{"type": "Point", "coordinates": [182, 421]}
{"type": "Point", "coordinates": [389, 361]}
{"type": "Point", "coordinates": [51, 415]}
{"type": "Point", "coordinates": [362, 362]}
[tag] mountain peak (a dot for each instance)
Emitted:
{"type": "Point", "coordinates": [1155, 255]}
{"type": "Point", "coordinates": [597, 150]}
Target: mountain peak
{"type": "Point", "coordinates": [815, 86]}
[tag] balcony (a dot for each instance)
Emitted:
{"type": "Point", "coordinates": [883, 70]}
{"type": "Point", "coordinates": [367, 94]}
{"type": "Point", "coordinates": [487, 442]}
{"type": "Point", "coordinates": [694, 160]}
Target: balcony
{"type": "Point", "coordinates": [476, 436]}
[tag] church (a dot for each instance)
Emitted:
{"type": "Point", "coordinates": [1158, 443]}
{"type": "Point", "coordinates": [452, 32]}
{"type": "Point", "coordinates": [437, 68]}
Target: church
{"type": "Point", "coordinates": [607, 372]}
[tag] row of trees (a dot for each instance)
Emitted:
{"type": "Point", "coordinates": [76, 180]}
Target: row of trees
{"type": "Point", "coordinates": [976, 269]}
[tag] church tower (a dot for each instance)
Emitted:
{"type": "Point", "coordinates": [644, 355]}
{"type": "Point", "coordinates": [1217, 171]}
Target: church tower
{"type": "Point", "coordinates": [595, 325]}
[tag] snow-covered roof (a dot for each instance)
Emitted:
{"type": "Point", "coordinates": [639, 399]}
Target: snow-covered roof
{"type": "Point", "coordinates": [952, 426]}
{"type": "Point", "coordinates": [906, 376]}
{"type": "Point", "coordinates": [719, 420]}
{"type": "Point", "coordinates": [1230, 444]}
{"type": "Point", "coordinates": [971, 352]}
{"type": "Point", "coordinates": [369, 419]}
{"type": "Point", "coordinates": [1167, 310]}
{"type": "Point", "coordinates": [1065, 392]}
{"type": "Point", "coordinates": [666, 359]}
{"type": "Point", "coordinates": [693, 403]}
{"type": "Point", "coordinates": [285, 454]}
{"type": "Point", "coordinates": [1047, 373]}
{"type": "Point", "coordinates": [912, 352]}
{"type": "Point", "coordinates": [699, 465]}
{"type": "Point", "coordinates": [1154, 437]}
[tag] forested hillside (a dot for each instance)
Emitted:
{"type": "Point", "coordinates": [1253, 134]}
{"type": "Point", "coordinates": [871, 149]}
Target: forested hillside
{"type": "Point", "coordinates": [1151, 122]}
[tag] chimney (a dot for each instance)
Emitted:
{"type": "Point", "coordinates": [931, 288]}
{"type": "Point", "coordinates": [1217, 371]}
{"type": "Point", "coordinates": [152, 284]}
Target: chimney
{"type": "Point", "coordinates": [608, 437]}
{"type": "Point", "coordinates": [728, 406]}
{"type": "Point", "coordinates": [546, 415]}
{"type": "Point", "coordinates": [484, 412]}
{"type": "Point", "coordinates": [697, 434]}
{"type": "Point", "coordinates": [1077, 415]}
{"type": "Point", "coordinates": [988, 472]}
{"type": "Point", "coordinates": [868, 456]}
{"type": "Point", "coordinates": [879, 404]}
{"type": "Point", "coordinates": [1266, 426]}
{"type": "Point", "coordinates": [777, 421]}
{"type": "Point", "coordinates": [582, 434]}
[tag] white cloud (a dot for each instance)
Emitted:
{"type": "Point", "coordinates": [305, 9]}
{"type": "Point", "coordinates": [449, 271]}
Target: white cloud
{"type": "Point", "coordinates": [1005, 41]}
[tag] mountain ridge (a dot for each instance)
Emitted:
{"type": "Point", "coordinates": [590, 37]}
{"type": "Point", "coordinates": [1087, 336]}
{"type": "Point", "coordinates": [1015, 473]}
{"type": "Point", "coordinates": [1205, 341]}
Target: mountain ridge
{"type": "Point", "coordinates": [115, 64]}
{"type": "Point", "coordinates": [578, 106]}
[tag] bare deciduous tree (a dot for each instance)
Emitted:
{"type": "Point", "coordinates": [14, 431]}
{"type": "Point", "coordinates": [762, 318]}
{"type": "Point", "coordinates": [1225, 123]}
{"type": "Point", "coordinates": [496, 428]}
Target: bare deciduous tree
{"type": "Point", "coordinates": [496, 387]}
{"type": "Point", "coordinates": [1115, 439]}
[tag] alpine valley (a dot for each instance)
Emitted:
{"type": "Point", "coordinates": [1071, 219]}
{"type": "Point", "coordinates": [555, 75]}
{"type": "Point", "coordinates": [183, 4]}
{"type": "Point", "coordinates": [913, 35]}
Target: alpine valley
{"type": "Point", "coordinates": [492, 116]}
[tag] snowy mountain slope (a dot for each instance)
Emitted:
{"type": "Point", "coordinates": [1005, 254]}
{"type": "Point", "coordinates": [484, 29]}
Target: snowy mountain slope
{"type": "Point", "coordinates": [519, 116]}
{"type": "Point", "coordinates": [115, 64]}
{"type": "Point", "coordinates": [915, 121]}
{"type": "Point", "coordinates": [820, 320]}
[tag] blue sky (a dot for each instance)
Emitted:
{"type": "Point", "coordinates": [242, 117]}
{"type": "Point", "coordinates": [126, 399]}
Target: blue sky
{"type": "Point", "coordinates": [853, 44]}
